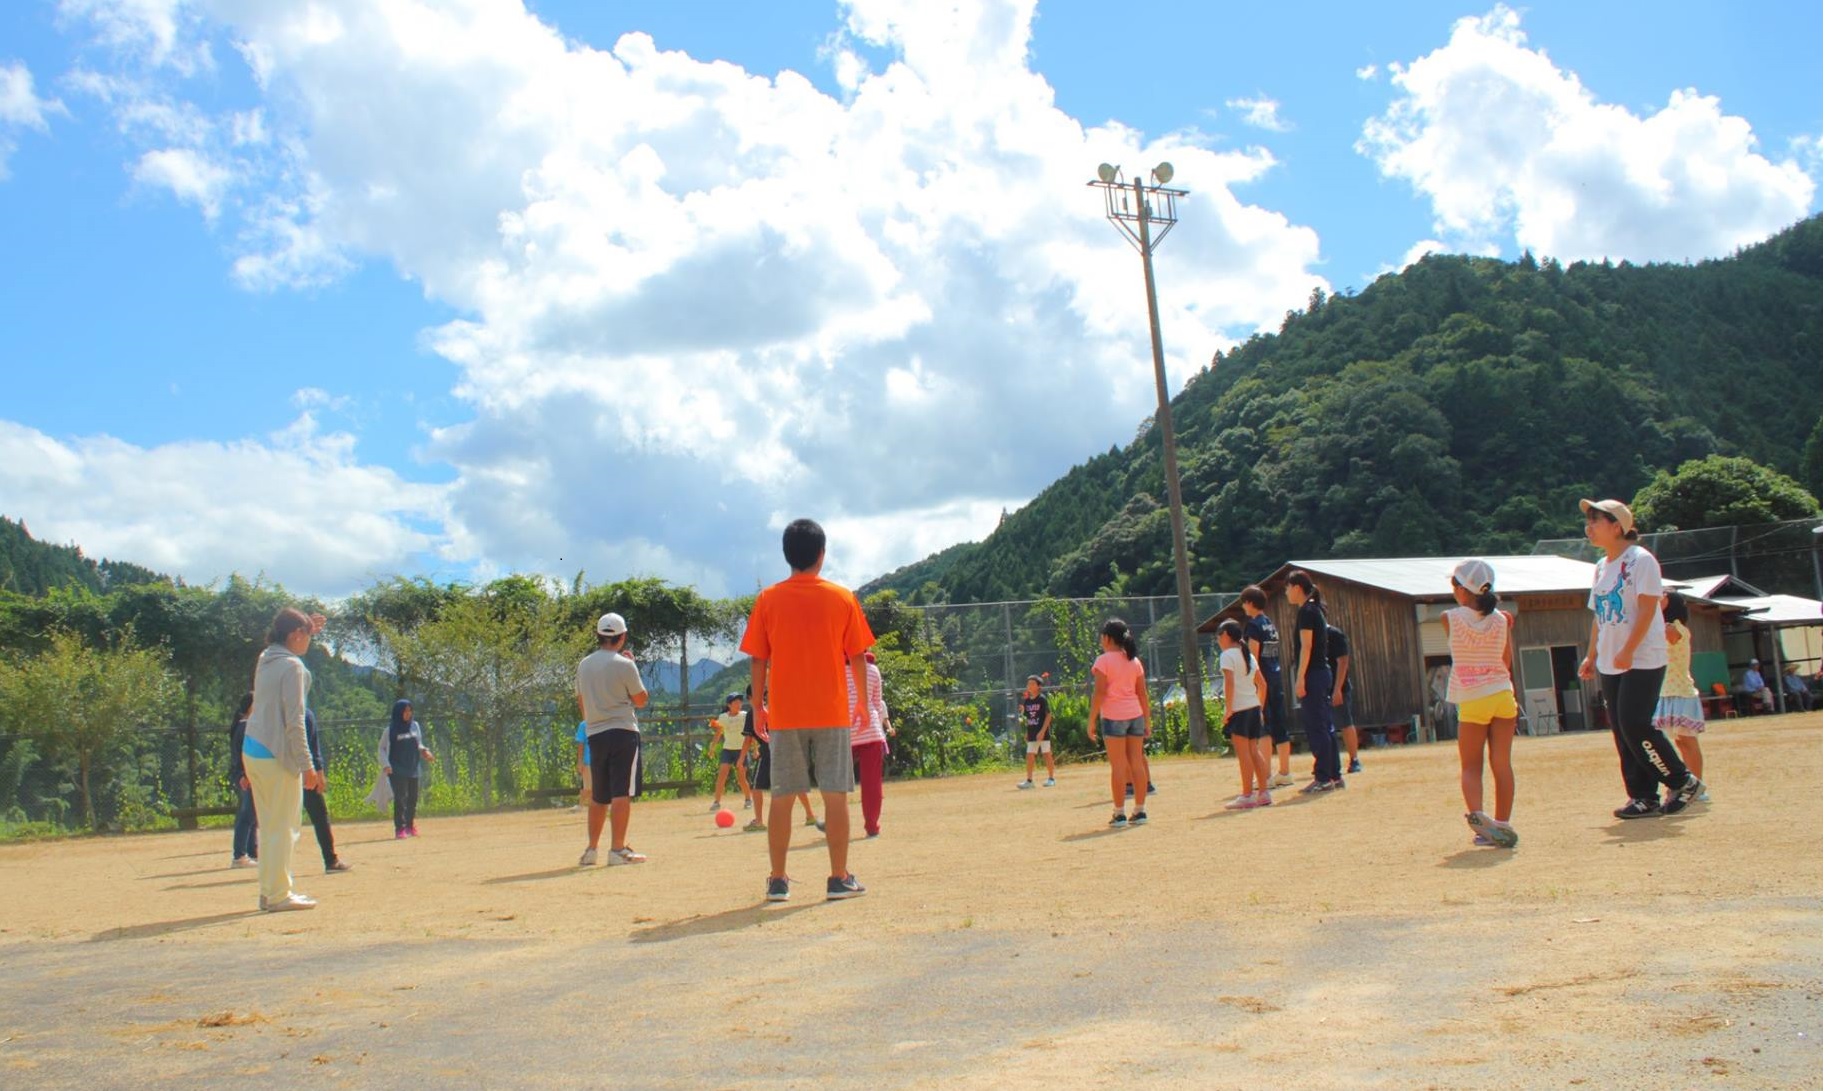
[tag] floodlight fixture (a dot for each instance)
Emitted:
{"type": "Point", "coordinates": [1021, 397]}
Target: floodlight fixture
{"type": "Point", "coordinates": [1163, 173]}
{"type": "Point", "coordinates": [1107, 172]}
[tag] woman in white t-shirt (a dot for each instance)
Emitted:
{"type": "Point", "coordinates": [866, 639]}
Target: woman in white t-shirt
{"type": "Point", "coordinates": [1482, 688]}
{"type": "Point", "coordinates": [1628, 657]}
{"type": "Point", "coordinates": [1244, 693]}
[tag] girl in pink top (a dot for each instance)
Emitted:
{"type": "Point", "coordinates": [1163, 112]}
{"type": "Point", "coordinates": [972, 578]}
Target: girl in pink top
{"type": "Point", "coordinates": [868, 745]}
{"type": "Point", "coordinates": [1118, 706]}
{"type": "Point", "coordinates": [1482, 687]}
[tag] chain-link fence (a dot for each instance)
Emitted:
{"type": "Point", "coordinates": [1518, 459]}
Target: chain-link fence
{"type": "Point", "coordinates": [1779, 558]}
{"type": "Point", "coordinates": [160, 776]}
{"type": "Point", "coordinates": [993, 647]}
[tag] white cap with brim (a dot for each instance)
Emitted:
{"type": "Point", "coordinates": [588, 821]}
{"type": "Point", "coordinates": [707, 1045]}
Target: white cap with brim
{"type": "Point", "coordinates": [611, 625]}
{"type": "Point", "coordinates": [1474, 576]}
{"type": "Point", "coordinates": [1615, 509]}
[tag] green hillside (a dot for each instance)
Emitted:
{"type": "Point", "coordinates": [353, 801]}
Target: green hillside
{"type": "Point", "coordinates": [30, 567]}
{"type": "Point", "coordinates": [1462, 405]}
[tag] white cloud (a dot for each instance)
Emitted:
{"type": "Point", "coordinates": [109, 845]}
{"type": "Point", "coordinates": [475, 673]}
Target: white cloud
{"type": "Point", "coordinates": [297, 505]}
{"type": "Point", "coordinates": [188, 175]}
{"type": "Point", "coordinates": [693, 296]}
{"type": "Point", "coordinates": [1260, 112]}
{"type": "Point", "coordinates": [1503, 142]}
{"type": "Point", "coordinates": [21, 108]}
{"type": "Point", "coordinates": [1368, 72]}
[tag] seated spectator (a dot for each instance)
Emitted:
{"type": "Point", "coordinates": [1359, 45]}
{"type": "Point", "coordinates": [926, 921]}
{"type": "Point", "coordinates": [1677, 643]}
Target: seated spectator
{"type": "Point", "coordinates": [1799, 695]}
{"type": "Point", "coordinates": [1754, 689]}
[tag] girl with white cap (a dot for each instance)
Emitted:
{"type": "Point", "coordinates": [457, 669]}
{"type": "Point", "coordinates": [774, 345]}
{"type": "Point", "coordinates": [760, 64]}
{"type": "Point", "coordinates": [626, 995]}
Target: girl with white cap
{"type": "Point", "coordinates": [1482, 687]}
{"type": "Point", "coordinates": [1628, 657]}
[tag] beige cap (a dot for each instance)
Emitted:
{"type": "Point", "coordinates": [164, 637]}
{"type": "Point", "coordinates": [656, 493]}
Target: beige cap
{"type": "Point", "coordinates": [1615, 509]}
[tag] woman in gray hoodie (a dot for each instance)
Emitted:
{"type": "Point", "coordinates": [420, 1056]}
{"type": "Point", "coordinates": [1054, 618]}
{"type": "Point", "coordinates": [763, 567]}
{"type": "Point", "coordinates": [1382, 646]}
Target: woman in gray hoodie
{"type": "Point", "coordinates": [276, 753]}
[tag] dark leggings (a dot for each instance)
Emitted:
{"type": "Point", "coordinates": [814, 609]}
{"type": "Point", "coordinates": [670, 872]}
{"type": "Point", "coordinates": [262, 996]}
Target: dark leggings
{"type": "Point", "coordinates": [405, 801]}
{"type": "Point", "coordinates": [320, 821]}
{"type": "Point", "coordinates": [1648, 758]}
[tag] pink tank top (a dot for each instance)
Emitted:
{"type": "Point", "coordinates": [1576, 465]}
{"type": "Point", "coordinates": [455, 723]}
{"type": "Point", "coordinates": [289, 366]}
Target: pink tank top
{"type": "Point", "coordinates": [1477, 643]}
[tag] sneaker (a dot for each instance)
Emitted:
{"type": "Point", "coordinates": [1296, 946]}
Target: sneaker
{"type": "Point", "coordinates": [624, 855]}
{"type": "Point", "coordinates": [338, 864]}
{"type": "Point", "coordinates": [873, 834]}
{"type": "Point", "coordinates": [1120, 821]}
{"type": "Point", "coordinates": [747, 804]}
{"type": "Point", "coordinates": [1636, 808]}
{"type": "Point", "coordinates": [716, 806]}
{"type": "Point", "coordinates": [1703, 796]}
{"type": "Point", "coordinates": [245, 861]}
{"type": "Point", "coordinates": [1500, 834]}
{"type": "Point", "coordinates": [1151, 790]}
{"type": "Point", "coordinates": [1241, 803]}
{"type": "Point", "coordinates": [1138, 818]}
{"type": "Point", "coordinates": [1262, 799]}
{"type": "Point", "coordinates": [1281, 780]}
{"type": "Point", "coordinates": [1678, 800]}
{"type": "Point", "coordinates": [1130, 792]}
{"type": "Point", "coordinates": [753, 825]}
{"type": "Point", "coordinates": [1482, 842]}
{"type": "Point", "coordinates": [1338, 784]}
{"type": "Point", "coordinates": [814, 822]}
{"type": "Point", "coordinates": [1050, 782]}
{"type": "Point", "coordinates": [778, 890]}
{"type": "Point", "coordinates": [289, 903]}
{"type": "Point", "coordinates": [1355, 766]}
{"type": "Point", "coordinates": [588, 859]}
{"type": "Point", "coordinates": [400, 835]}
{"type": "Point", "coordinates": [835, 890]}
{"type": "Point", "coordinates": [1315, 787]}
{"type": "Point", "coordinates": [1024, 785]}
{"type": "Point", "coordinates": [412, 830]}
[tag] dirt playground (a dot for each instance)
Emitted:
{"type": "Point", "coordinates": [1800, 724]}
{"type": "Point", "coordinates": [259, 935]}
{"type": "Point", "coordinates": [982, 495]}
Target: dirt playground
{"type": "Point", "coordinates": [1008, 940]}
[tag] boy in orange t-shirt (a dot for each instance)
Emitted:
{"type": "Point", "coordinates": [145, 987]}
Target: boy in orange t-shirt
{"type": "Point", "coordinates": [802, 631]}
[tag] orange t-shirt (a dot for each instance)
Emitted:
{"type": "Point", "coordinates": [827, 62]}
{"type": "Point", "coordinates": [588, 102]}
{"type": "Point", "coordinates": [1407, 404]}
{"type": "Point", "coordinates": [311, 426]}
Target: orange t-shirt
{"type": "Point", "coordinates": [806, 627]}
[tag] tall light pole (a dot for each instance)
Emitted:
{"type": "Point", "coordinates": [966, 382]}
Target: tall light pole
{"type": "Point", "coordinates": [1155, 204]}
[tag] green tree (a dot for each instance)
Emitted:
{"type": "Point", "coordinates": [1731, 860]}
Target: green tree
{"type": "Point", "coordinates": [1720, 491]}
{"type": "Point", "coordinates": [82, 703]}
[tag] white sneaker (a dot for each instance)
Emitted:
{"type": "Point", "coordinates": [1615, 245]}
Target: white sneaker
{"type": "Point", "coordinates": [1240, 803]}
{"type": "Point", "coordinates": [625, 855]}
{"type": "Point", "coordinates": [245, 861]}
{"type": "Point", "coordinates": [716, 806]}
{"type": "Point", "coordinates": [1281, 780]}
{"type": "Point", "coordinates": [588, 859]}
{"type": "Point", "coordinates": [1024, 785]}
{"type": "Point", "coordinates": [288, 903]}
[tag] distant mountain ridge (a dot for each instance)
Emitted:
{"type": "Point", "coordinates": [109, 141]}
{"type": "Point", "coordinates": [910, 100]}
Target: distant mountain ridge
{"type": "Point", "coordinates": [1462, 405]}
{"type": "Point", "coordinates": [33, 568]}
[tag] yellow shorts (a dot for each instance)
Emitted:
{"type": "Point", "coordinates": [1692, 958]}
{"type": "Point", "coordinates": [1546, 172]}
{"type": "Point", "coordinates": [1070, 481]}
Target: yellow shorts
{"type": "Point", "coordinates": [1482, 710]}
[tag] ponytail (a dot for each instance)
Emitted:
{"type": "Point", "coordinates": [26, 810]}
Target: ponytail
{"type": "Point", "coordinates": [1233, 630]}
{"type": "Point", "coordinates": [1302, 579]}
{"type": "Point", "coordinates": [287, 621]}
{"type": "Point", "coordinates": [1117, 630]}
{"type": "Point", "coordinates": [1485, 602]}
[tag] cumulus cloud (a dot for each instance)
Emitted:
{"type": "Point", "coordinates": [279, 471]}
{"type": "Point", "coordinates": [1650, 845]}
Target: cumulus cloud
{"type": "Point", "coordinates": [190, 177]}
{"type": "Point", "coordinates": [21, 108]}
{"type": "Point", "coordinates": [297, 505]}
{"type": "Point", "coordinates": [1502, 142]}
{"type": "Point", "coordinates": [1260, 112]}
{"type": "Point", "coordinates": [1368, 72]}
{"type": "Point", "coordinates": [694, 298]}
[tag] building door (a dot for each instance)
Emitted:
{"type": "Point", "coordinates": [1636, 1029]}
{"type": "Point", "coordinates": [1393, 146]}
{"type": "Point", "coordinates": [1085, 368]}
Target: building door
{"type": "Point", "coordinates": [1552, 699]}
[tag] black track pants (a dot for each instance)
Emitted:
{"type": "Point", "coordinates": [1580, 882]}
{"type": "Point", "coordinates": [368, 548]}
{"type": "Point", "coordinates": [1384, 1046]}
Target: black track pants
{"type": "Point", "coordinates": [1649, 759]}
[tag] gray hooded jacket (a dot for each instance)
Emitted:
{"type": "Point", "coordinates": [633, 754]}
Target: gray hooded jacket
{"type": "Point", "coordinates": [281, 688]}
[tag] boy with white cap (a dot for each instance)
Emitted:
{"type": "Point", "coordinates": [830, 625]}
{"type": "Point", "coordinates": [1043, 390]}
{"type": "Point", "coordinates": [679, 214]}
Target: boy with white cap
{"type": "Point", "coordinates": [608, 691]}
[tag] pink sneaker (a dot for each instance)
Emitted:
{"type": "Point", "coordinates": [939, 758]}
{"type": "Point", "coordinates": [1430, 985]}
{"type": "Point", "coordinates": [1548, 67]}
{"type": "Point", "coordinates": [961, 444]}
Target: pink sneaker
{"type": "Point", "coordinates": [400, 835]}
{"type": "Point", "coordinates": [1240, 803]}
{"type": "Point", "coordinates": [412, 830]}
{"type": "Point", "coordinates": [1262, 799]}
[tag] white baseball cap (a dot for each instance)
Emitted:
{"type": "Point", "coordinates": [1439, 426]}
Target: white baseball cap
{"type": "Point", "coordinates": [1474, 576]}
{"type": "Point", "coordinates": [611, 624]}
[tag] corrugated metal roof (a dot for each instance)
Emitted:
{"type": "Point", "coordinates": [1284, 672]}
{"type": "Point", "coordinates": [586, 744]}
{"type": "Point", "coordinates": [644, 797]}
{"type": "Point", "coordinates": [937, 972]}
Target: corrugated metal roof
{"type": "Point", "coordinates": [1430, 577]}
{"type": "Point", "coordinates": [1778, 610]}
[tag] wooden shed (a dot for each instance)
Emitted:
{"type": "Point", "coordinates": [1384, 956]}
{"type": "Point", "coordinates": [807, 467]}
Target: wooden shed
{"type": "Point", "coordinates": [1389, 608]}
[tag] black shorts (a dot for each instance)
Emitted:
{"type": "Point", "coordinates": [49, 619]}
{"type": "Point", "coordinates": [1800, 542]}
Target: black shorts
{"type": "Point", "coordinates": [1033, 734]}
{"type": "Point", "coordinates": [1245, 724]}
{"type": "Point", "coordinates": [730, 757]}
{"type": "Point", "coordinates": [1273, 714]}
{"type": "Point", "coordinates": [762, 776]}
{"type": "Point", "coordinates": [1343, 715]}
{"type": "Point", "coordinates": [614, 765]}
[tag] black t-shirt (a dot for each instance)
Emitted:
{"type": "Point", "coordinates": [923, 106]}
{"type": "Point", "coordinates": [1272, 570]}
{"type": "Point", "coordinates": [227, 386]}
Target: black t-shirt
{"type": "Point", "coordinates": [1033, 713]}
{"type": "Point", "coordinates": [1311, 620]}
{"type": "Point", "coordinates": [747, 723]}
{"type": "Point", "coordinates": [1340, 647]}
{"type": "Point", "coordinates": [1260, 629]}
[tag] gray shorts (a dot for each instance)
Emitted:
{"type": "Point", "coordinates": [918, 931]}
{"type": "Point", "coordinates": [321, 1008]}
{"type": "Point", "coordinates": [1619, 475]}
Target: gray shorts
{"type": "Point", "coordinates": [1115, 729]}
{"type": "Point", "coordinates": [812, 757]}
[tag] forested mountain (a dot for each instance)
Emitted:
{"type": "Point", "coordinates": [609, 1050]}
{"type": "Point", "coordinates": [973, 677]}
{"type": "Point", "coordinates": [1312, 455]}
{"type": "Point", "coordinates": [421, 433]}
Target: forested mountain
{"type": "Point", "coordinates": [1462, 405]}
{"type": "Point", "coordinates": [31, 567]}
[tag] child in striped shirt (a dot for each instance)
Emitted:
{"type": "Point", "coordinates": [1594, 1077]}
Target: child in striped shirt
{"type": "Point", "coordinates": [1482, 687]}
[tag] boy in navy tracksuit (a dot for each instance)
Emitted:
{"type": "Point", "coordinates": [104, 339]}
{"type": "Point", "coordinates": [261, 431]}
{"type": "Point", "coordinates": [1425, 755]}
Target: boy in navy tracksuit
{"type": "Point", "coordinates": [402, 756]}
{"type": "Point", "coordinates": [314, 804]}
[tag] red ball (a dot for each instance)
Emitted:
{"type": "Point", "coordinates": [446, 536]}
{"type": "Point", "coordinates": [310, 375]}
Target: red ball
{"type": "Point", "coordinates": [725, 819]}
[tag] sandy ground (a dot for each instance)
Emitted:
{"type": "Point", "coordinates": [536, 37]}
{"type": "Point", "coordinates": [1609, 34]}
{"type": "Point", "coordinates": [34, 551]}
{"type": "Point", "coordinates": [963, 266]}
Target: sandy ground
{"type": "Point", "coordinates": [1007, 940]}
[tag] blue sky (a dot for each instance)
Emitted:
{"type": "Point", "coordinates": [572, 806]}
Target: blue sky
{"type": "Point", "coordinates": [336, 290]}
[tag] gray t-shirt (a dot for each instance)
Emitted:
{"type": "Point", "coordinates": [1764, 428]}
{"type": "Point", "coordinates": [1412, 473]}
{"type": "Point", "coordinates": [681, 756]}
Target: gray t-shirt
{"type": "Point", "coordinates": [608, 682]}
